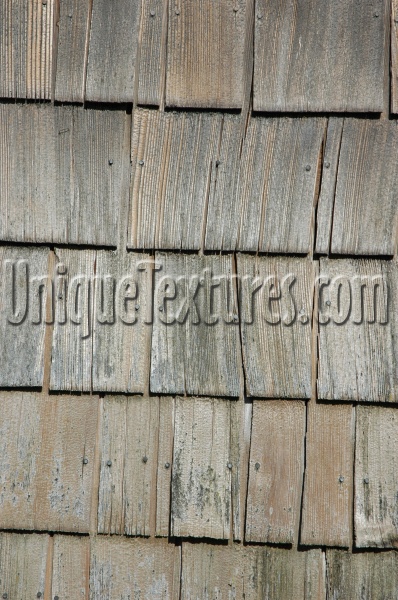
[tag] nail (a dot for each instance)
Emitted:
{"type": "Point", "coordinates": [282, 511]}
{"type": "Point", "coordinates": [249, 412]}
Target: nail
{"type": "Point", "coordinates": [341, 479]}
{"type": "Point", "coordinates": [229, 465]}
{"type": "Point", "coordinates": [257, 466]}
{"type": "Point", "coordinates": [167, 465]}
{"type": "Point", "coordinates": [110, 161]}
{"type": "Point", "coordinates": [145, 459]}
{"type": "Point", "coordinates": [141, 163]}
{"type": "Point", "coordinates": [308, 168]}
{"type": "Point", "coordinates": [327, 165]}
{"type": "Point", "coordinates": [109, 463]}
{"type": "Point", "coordinates": [85, 461]}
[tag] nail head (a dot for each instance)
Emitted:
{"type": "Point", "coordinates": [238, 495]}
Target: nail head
{"type": "Point", "coordinates": [144, 459]}
{"type": "Point", "coordinates": [167, 465]}
{"type": "Point", "coordinates": [308, 168]}
{"type": "Point", "coordinates": [141, 163]}
{"type": "Point", "coordinates": [327, 165]}
{"type": "Point", "coordinates": [366, 480]}
{"type": "Point", "coordinates": [376, 14]}
{"type": "Point", "coordinates": [109, 463]}
{"type": "Point", "coordinates": [85, 461]}
{"type": "Point", "coordinates": [257, 466]}
{"type": "Point", "coordinates": [341, 479]}
{"type": "Point", "coordinates": [137, 307]}
{"type": "Point", "coordinates": [152, 13]}
{"type": "Point", "coordinates": [110, 161]}
{"type": "Point", "coordinates": [229, 465]}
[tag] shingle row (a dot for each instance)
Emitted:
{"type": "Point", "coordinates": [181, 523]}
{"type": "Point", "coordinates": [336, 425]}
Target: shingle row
{"type": "Point", "coordinates": [200, 468]}
{"type": "Point", "coordinates": [323, 57]}
{"type": "Point", "coordinates": [185, 324]}
{"type": "Point", "coordinates": [191, 181]}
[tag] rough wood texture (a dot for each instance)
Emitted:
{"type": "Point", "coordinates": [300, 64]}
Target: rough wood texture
{"type": "Point", "coordinates": [122, 568]}
{"type": "Point", "coordinates": [253, 573]}
{"type": "Point", "coordinates": [376, 480]}
{"type": "Point", "coordinates": [394, 57]}
{"type": "Point", "coordinates": [241, 420]}
{"type": "Point", "coordinates": [112, 57]}
{"type": "Point", "coordinates": [128, 465]}
{"type": "Point", "coordinates": [72, 344]}
{"type": "Point", "coordinates": [269, 204]}
{"type": "Point", "coordinates": [173, 156]}
{"type": "Point", "coordinates": [206, 59]}
{"type": "Point", "coordinates": [360, 323]}
{"type": "Point", "coordinates": [153, 32]}
{"type": "Point", "coordinates": [319, 56]}
{"type": "Point", "coordinates": [290, 575]}
{"type": "Point", "coordinates": [64, 174]}
{"type": "Point", "coordinates": [26, 48]}
{"type": "Point", "coordinates": [365, 212]}
{"type": "Point", "coordinates": [23, 561]}
{"type": "Point", "coordinates": [328, 483]}
{"type": "Point", "coordinates": [22, 324]}
{"type": "Point", "coordinates": [215, 571]}
{"type": "Point", "coordinates": [225, 205]}
{"type": "Point", "coordinates": [121, 342]}
{"type": "Point", "coordinates": [73, 32]}
{"type": "Point", "coordinates": [195, 341]}
{"type": "Point", "coordinates": [165, 460]}
{"type": "Point", "coordinates": [362, 576]}
{"type": "Point", "coordinates": [201, 482]}
{"type": "Point", "coordinates": [70, 568]}
{"type": "Point", "coordinates": [45, 483]}
{"type": "Point", "coordinates": [276, 472]}
{"type": "Point", "coordinates": [324, 216]}
{"type": "Point", "coordinates": [276, 307]}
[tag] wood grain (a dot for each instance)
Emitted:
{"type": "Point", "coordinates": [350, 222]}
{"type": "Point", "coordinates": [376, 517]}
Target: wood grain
{"type": "Point", "coordinates": [276, 340]}
{"type": "Point", "coordinates": [394, 57]}
{"type": "Point", "coordinates": [130, 429]}
{"type": "Point", "coordinates": [216, 571]}
{"type": "Point", "coordinates": [22, 325]}
{"type": "Point", "coordinates": [73, 33]}
{"type": "Point", "coordinates": [23, 560]}
{"type": "Point", "coordinates": [330, 164]}
{"type": "Point", "coordinates": [194, 354]}
{"type": "Point", "coordinates": [365, 212]}
{"type": "Point", "coordinates": [253, 573]}
{"type": "Point", "coordinates": [26, 49]}
{"type": "Point", "coordinates": [65, 174]}
{"type": "Point", "coordinates": [70, 568]}
{"type": "Point", "coordinates": [361, 325]}
{"type": "Point", "coordinates": [165, 461]}
{"type": "Point", "coordinates": [173, 156]}
{"type": "Point", "coordinates": [45, 483]}
{"type": "Point", "coordinates": [363, 575]}
{"type": "Point", "coordinates": [121, 342]}
{"type": "Point", "coordinates": [290, 575]}
{"type": "Point", "coordinates": [127, 568]}
{"type": "Point", "coordinates": [206, 58]}
{"type": "Point", "coordinates": [328, 483]}
{"type": "Point", "coordinates": [276, 472]}
{"type": "Point", "coordinates": [319, 56]}
{"type": "Point", "coordinates": [112, 56]}
{"type": "Point", "coordinates": [201, 481]}
{"type": "Point", "coordinates": [153, 32]}
{"type": "Point", "coordinates": [72, 345]}
{"type": "Point", "coordinates": [265, 188]}
{"type": "Point", "coordinates": [376, 482]}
